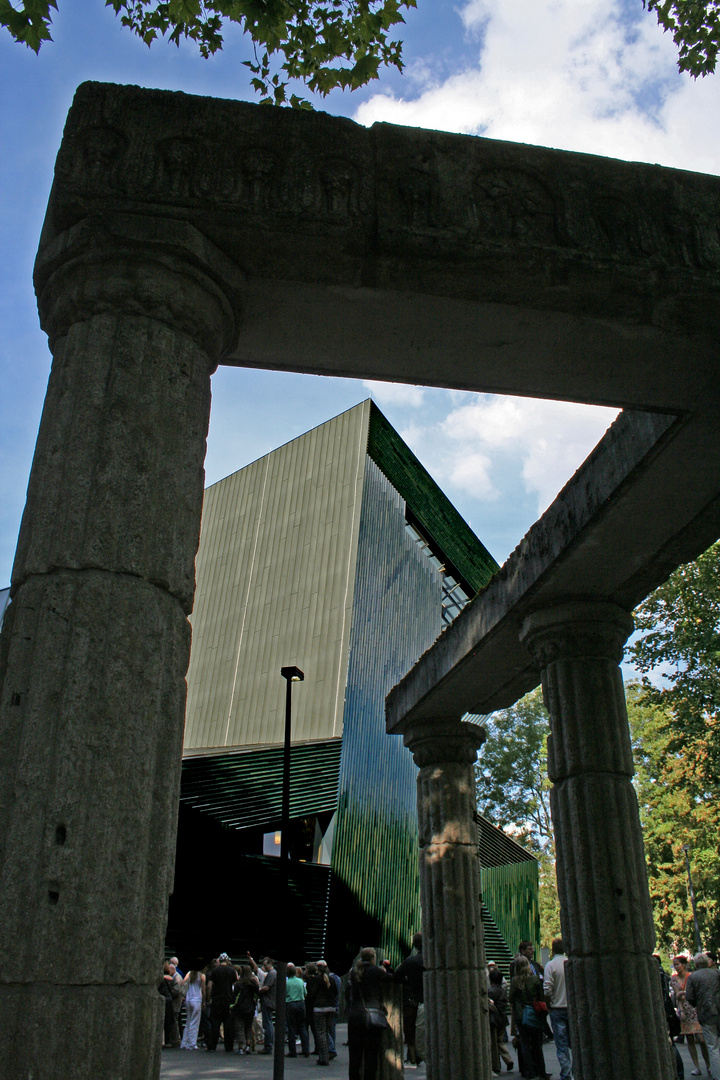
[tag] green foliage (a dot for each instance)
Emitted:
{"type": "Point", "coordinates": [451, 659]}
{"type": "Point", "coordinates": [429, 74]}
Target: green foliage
{"type": "Point", "coordinates": [324, 44]}
{"type": "Point", "coordinates": [676, 734]}
{"type": "Point", "coordinates": [513, 791]}
{"type": "Point", "coordinates": [677, 807]}
{"type": "Point", "coordinates": [680, 627]}
{"type": "Point", "coordinates": [695, 27]}
{"type": "Point", "coordinates": [30, 23]}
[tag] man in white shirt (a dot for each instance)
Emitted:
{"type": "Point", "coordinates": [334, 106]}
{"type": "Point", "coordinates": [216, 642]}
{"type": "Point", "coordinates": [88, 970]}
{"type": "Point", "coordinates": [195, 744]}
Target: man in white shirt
{"type": "Point", "coordinates": [556, 997]}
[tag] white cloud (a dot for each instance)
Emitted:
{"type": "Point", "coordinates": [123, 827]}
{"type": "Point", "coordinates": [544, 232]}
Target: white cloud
{"type": "Point", "coordinates": [585, 75]}
{"type": "Point", "coordinates": [395, 393]}
{"type": "Point", "coordinates": [546, 440]}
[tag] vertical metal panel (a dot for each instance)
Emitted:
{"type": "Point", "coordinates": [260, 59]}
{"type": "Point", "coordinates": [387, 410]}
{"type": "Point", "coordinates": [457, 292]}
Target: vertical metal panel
{"type": "Point", "coordinates": [275, 576]}
{"type": "Point", "coordinates": [511, 894]}
{"type": "Point", "coordinates": [396, 616]}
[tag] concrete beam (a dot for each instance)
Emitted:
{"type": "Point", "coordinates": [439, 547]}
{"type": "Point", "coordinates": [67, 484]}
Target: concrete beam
{"type": "Point", "coordinates": [629, 515]}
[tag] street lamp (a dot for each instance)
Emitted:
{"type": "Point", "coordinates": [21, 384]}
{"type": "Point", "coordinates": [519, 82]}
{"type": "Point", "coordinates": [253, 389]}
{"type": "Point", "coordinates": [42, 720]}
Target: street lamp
{"type": "Point", "coordinates": [291, 675]}
{"type": "Point", "coordinates": [692, 899]}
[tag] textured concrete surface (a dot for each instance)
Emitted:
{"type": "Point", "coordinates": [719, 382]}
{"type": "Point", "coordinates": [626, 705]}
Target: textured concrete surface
{"type": "Point", "coordinates": [606, 914]}
{"type": "Point", "coordinates": [457, 1037]}
{"type": "Point", "coordinates": [95, 647]}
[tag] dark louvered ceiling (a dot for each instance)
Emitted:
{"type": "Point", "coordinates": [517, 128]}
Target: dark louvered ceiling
{"type": "Point", "coordinates": [243, 789]}
{"type": "Point", "coordinates": [496, 848]}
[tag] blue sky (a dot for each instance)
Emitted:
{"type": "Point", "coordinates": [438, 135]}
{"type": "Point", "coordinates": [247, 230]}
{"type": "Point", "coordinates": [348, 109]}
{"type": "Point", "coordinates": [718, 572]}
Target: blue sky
{"type": "Point", "coordinates": [590, 75]}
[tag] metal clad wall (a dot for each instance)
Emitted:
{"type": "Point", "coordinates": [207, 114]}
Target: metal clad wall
{"type": "Point", "coordinates": [275, 575]}
{"type": "Point", "coordinates": [511, 894]}
{"type": "Point", "coordinates": [436, 514]}
{"type": "Point", "coordinates": [397, 615]}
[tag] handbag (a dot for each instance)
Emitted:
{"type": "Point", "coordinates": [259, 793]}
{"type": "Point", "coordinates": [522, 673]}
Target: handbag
{"type": "Point", "coordinates": [375, 1019]}
{"type": "Point", "coordinates": [540, 1007]}
{"type": "Point", "coordinates": [532, 1019]}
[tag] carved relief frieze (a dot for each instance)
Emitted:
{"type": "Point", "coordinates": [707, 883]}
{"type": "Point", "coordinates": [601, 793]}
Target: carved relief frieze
{"type": "Point", "coordinates": [96, 160]}
{"type": "Point", "coordinates": [341, 186]}
{"type": "Point", "coordinates": [511, 204]}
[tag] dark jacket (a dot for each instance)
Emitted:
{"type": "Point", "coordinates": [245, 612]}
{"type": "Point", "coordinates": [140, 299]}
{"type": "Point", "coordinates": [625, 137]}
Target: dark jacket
{"type": "Point", "coordinates": [703, 991]}
{"type": "Point", "coordinates": [519, 998]}
{"type": "Point", "coordinates": [410, 974]}
{"type": "Point", "coordinates": [320, 996]}
{"type": "Point", "coordinates": [499, 996]}
{"type": "Point", "coordinates": [366, 991]}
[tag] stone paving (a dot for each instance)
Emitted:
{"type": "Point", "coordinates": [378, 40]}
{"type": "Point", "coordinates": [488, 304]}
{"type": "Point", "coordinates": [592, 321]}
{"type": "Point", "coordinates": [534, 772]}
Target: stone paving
{"type": "Point", "coordinates": [186, 1065]}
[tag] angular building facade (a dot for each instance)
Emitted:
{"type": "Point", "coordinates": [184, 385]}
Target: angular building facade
{"type": "Point", "coordinates": [338, 554]}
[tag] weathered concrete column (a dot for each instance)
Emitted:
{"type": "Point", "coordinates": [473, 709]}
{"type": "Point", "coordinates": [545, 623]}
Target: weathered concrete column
{"type": "Point", "coordinates": [456, 1004]}
{"type": "Point", "coordinates": [616, 1014]}
{"type": "Point", "coordinates": [96, 643]}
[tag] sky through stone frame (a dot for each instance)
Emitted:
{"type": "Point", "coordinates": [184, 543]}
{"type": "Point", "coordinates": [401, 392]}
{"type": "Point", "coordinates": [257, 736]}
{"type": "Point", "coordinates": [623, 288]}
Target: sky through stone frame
{"type": "Point", "coordinates": [596, 76]}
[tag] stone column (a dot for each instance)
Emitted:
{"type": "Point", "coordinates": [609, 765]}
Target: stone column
{"type": "Point", "coordinates": [96, 642]}
{"type": "Point", "coordinates": [455, 982]}
{"type": "Point", "coordinates": [616, 1015]}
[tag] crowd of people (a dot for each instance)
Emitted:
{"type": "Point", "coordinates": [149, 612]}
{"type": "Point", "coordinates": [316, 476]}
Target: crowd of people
{"type": "Point", "coordinates": [240, 1000]}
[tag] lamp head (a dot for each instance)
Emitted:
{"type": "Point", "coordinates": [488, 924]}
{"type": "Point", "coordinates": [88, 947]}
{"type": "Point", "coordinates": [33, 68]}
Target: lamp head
{"type": "Point", "coordinates": [292, 674]}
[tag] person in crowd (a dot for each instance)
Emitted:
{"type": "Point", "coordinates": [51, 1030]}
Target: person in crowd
{"type": "Point", "coordinates": [712, 959]}
{"type": "Point", "coordinates": [164, 991]}
{"type": "Point", "coordinates": [556, 997]}
{"type": "Point", "coordinates": [246, 996]}
{"type": "Point", "coordinates": [174, 960]}
{"type": "Point", "coordinates": [527, 949]}
{"type": "Point", "coordinates": [332, 1022]}
{"type": "Point", "coordinates": [322, 996]}
{"type": "Point", "coordinates": [689, 1024]}
{"type": "Point", "coordinates": [194, 990]}
{"type": "Point", "coordinates": [220, 996]}
{"type": "Point", "coordinates": [673, 1021]}
{"type": "Point", "coordinates": [310, 970]}
{"type": "Point", "coordinates": [365, 993]}
{"type": "Point", "coordinates": [410, 974]}
{"type": "Point", "coordinates": [295, 1013]}
{"type": "Point", "coordinates": [525, 990]}
{"type": "Point", "coordinates": [177, 993]}
{"type": "Point", "coordinates": [267, 1004]}
{"type": "Point", "coordinates": [498, 1001]}
{"type": "Point", "coordinates": [702, 991]}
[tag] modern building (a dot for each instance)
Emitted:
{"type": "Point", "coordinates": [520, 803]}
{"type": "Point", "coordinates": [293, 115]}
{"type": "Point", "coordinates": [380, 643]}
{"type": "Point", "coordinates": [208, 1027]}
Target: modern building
{"type": "Point", "coordinates": [336, 553]}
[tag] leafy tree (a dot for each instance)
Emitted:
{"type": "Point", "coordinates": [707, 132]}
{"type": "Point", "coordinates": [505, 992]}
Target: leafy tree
{"type": "Point", "coordinates": [322, 43]}
{"type": "Point", "coordinates": [513, 791]}
{"type": "Point", "coordinates": [676, 729]}
{"type": "Point", "coordinates": [677, 807]}
{"type": "Point", "coordinates": [325, 43]}
{"type": "Point", "coordinates": [695, 27]}
{"type": "Point", "coordinates": [680, 628]}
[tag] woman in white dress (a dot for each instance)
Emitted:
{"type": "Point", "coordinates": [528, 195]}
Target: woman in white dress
{"type": "Point", "coordinates": [194, 988]}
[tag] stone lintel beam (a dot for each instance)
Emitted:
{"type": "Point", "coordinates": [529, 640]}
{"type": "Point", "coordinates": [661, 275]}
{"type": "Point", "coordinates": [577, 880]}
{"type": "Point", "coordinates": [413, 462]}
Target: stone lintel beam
{"type": "Point", "coordinates": [606, 911]}
{"type": "Point", "coordinates": [95, 643]}
{"type": "Point", "coordinates": [456, 1008]}
{"type": "Point", "coordinates": [378, 250]}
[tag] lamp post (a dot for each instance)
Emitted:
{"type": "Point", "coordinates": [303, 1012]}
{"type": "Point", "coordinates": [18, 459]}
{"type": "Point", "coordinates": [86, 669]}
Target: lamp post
{"type": "Point", "coordinates": [291, 675]}
{"type": "Point", "coordinates": [692, 899]}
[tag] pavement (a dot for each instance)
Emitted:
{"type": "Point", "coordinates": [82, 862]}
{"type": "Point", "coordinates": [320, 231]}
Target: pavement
{"type": "Point", "coordinates": [198, 1064]}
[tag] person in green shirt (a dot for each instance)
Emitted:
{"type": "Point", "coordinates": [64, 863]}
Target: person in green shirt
{"type": "Point", "coordinates": [295, 1013]}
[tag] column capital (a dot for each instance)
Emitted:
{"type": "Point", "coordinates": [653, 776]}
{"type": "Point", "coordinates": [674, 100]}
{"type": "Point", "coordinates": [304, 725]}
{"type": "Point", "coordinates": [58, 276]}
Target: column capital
{"type": "Point", "coordinates": [577, 629]}
{"type": "Point", "coordinates": [127, 264]}
{"type": "Point", "coordinates": [441, 739]}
